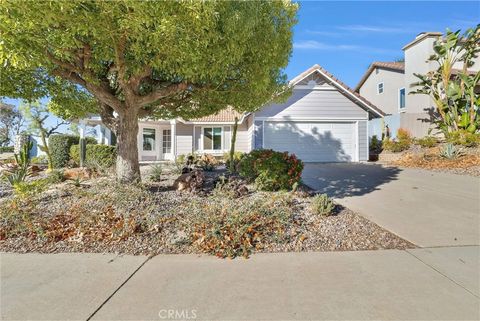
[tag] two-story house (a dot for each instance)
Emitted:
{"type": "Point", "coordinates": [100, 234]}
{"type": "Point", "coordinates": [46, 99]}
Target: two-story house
{"type": "Point", "coordinates": [388, 85]}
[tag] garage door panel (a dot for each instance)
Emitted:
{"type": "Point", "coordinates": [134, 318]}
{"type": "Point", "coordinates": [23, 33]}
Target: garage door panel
{"type": "Point", "coordinates": [312, 142]}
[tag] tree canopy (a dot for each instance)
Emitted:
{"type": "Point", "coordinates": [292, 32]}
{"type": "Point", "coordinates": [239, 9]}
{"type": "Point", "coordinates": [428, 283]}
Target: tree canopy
{"type": "Point", "coordinates": [130, 59]}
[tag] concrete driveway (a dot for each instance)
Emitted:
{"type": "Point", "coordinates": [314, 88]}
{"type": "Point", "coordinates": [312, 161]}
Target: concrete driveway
{"type": "Point", "coordinates": [424, 207]}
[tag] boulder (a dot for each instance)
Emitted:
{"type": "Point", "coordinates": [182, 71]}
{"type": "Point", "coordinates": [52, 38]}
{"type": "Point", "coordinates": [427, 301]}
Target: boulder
{"type": "Point", "coordinates": [191, 181]}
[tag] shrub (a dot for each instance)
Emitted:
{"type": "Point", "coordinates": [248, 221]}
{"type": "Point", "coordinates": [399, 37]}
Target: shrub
{"type": "Point", "coordinates": [56, 176]}
{"type": "Point", "coordinates": [25, 189]}
{"type": "Point", "coordinates": [375, 144]}
{"type": "Point", "coordinates": [228, 228]}
{"type": "Point", "coordinates": [427, 141]}
{"type": "Point", "coordinates": [271, 170]}
{"type": "Point", "coordinates": [42, 159]}
{"type": "Point", "coordinates": [6, 149]}
{"type": "Point", "coordinates": [449, 151]}
{"type": "Point", "coordinates": [403, 135]}
{"type": "Point", "coordinates": [59, 146]}
{"type": "Point", "coordinates": [322, 205]}
{"type": "Point", "coordinates": [156, 172]}
{"type": "Point", "coordinates": [207, 162]}
{"type": "Point", "coordinates": [464, 138]}
{"type": "Point", "coordinates": [237, 156]}
{"type": "Point", "coordinates": [395, 146]}
{"type": "Point", "coordinates": [103, 156]}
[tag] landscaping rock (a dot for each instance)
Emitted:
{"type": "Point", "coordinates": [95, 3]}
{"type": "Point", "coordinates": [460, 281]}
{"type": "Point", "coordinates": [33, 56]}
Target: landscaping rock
{"type": "Point", "coordinates": [191, 181]}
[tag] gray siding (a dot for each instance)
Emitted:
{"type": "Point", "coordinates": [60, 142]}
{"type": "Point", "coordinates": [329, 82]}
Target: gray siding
{"type": "Point", "coordinates": [243, 139]}
{"type": "Point", "coordinates": [363, 141]}
{"type": "Point", "coordinates": [184, 139]}
{"type": "Point", "coordinates": [308, 103]}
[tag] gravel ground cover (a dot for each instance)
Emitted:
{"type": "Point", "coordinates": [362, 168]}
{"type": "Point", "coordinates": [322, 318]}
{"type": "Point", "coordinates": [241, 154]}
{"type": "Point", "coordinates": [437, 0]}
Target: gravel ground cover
{"type": "Point", "coordinates": [428, 158]}
{"type": "Point", "coordinates": [152, 218]}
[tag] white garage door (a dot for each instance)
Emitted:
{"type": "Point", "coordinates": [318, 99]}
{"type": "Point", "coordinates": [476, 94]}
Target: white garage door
{"type": "Point", "coordinates": [313, 142]}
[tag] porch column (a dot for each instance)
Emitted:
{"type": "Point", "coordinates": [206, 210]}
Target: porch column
{"type": "Point", "coordinates": [173, 127]}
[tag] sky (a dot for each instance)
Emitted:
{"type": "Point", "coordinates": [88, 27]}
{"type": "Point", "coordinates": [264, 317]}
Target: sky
{"type": "Point", "coordinates": [344, 37]}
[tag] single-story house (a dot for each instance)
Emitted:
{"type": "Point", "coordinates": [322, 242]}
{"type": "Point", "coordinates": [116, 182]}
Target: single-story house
{"type": "Point", "coordinates": [322, 121]}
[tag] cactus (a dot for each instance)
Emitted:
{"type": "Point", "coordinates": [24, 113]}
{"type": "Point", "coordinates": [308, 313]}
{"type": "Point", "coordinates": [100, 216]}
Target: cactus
{"type": "Point", "coordinates": [449, 151]}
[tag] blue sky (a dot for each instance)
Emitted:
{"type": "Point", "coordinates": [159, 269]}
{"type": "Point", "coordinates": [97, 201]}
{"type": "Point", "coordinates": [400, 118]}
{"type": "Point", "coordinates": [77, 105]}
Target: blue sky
{"type": "Point", "coordinates": [344, 37]}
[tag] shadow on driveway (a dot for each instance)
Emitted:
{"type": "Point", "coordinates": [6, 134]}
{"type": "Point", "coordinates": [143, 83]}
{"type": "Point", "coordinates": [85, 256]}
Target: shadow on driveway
{"type": "Point", "coordinates": [340, 180]}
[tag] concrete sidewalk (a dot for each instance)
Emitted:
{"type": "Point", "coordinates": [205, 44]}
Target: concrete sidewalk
{"type": "Point", "coordinates": [438, 283]}
{"type": "Point", "coordinates": [427, 208]}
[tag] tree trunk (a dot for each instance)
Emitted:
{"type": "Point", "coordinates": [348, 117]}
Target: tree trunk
{"type": "Point", "coordinates": [232, 146]}
{"type": "Point", "coordinates": [128, 169]}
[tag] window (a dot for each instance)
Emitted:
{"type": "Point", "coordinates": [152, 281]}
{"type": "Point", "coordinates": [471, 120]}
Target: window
{"type": "Point", "coordinates": [401, 98]}
{"type": "Point", "coordinates": [167, 141]}
{"type": "Point", "coordinates": [149, 139]}
{"type": "Point", "coordinates": [212, 138]}
{"type": "Point", "coordinates": [380, 88]}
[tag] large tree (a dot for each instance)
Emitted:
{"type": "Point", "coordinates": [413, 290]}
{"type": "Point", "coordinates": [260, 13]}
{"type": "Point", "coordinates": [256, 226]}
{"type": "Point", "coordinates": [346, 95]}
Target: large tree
{"type": "Point", "coordinates": [145, 59]}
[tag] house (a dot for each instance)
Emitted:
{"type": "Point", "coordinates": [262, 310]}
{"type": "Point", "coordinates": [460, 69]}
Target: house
{"type": "Point", "coordinates": [388, 86]}
{"type": "Point", "coordinates": [322, 121]}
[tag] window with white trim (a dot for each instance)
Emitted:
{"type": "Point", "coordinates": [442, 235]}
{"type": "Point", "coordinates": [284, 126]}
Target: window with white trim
{"type": "Point", "coordinates": [212, 138]}
{"type": "Point", "coordinates": [380, 88]}
{"type": "Point", "coordinates": [167, 141]}
{"type": "Point", "coordinates": [401, 98]}
{"type": "Point", "coordinates": [149, 139]}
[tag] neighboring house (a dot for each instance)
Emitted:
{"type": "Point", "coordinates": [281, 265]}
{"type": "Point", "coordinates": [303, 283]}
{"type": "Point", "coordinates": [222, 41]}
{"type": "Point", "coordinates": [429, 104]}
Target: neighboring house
{"type": "Point", "coordinates": [388, 84]}
{"type": "Point", "coordinates": [322, 121]}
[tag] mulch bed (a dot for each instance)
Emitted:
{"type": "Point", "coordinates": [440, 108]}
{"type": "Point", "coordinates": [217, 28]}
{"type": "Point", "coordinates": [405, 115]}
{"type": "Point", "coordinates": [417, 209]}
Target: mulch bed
{"type": "Point", "coordinates": [102, 216]}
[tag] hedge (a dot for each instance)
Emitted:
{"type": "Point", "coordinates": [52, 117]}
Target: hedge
{"type": "Point", "coordinates": [59, 146]}
{"type": "Point", "coordinates": [6, 149]}
{"type": "Point", "coordinates": [103, 155]}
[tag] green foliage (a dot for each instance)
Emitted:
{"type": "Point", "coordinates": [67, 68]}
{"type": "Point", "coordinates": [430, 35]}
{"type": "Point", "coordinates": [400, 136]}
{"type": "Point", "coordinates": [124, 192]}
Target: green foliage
{"type": "Point", "coordinates": [237, 156]}
{"type": "Point", "coordinates": [95, 154]}
{"type": "Point", "coordinates": [76, 181]}
{"type": "Point", "coordinates": [20, 173]}
{"type": "Point", "coordinates": [322, 205]}
{"type": "Point", "coordinates": [403, 135]}
{"type": "Point", "coordinates": [271, 170]}
{"type": "Point", "coordinates": [401, 143]}
{"type": "Point", "coordinates": [56, 176]}
{"type": "Point", "coordinates": [375, 144]}
{"type": "Point", "coordinates": [11, 122]}
{"type": "Point", "coordinates": [427, 141]}
{"type": "Point", "coordinates": [457, 103]}
{"type": "Point", "coordinates": [464, 138]}
{"type": "Point", "coordinates": [26, 189]}
{"type": "Point", "coordinates": [42, 159]}
{"type": "Point", "coordinates": [6, 149]}
{"type": "Point", "coordinates": [59, 145]}
{"type": "Point", "coordinates": [156, 171]}
{"type": "Point", "coordinates": [450, 151]}
{"type": "Point", "coordinates": [219, 43]}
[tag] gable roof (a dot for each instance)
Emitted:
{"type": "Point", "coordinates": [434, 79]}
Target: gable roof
{"type": "Point", "coordinates": [341, 86]}
{"type": "Point", "coordinates": [387, 65]}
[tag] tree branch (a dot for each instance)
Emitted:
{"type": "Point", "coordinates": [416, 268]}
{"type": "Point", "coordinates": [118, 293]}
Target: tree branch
{"type": "Point", "coordinates": [161, 93]}
{"type": "Point", "coordinates": [108, 118]}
